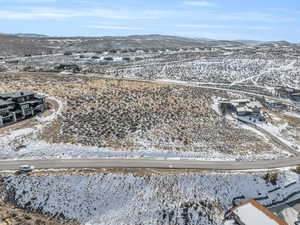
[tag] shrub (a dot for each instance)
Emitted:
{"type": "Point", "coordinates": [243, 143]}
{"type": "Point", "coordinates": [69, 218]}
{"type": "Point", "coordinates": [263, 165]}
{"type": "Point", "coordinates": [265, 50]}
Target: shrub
{"type": "Point", "coordinates": [271, 178]}
{"type": "Point", "coordinates": [297, 170]}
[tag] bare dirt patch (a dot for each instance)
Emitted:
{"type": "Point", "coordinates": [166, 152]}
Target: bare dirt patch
{"type": "Point", "coordinates": [10, 214]}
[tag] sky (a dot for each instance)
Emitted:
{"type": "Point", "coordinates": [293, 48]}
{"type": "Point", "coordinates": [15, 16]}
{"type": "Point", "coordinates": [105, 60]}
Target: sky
{"type": "Point", "coordinates": [265, 20]}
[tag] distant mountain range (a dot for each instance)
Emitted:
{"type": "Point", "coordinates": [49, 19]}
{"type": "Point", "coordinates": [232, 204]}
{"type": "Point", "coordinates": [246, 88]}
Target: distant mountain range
{"type": "Point", "coordinates": [250, 42]}
{"type": "Point", "coordinates": [21, 43]}
{"type": "Point", "coordinates": [30, 35]}
{"type": "Point", "coordinates": [158, 36]}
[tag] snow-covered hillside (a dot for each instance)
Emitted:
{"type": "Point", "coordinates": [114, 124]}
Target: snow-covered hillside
{"type": "Point", "coordinates": [142, 198]}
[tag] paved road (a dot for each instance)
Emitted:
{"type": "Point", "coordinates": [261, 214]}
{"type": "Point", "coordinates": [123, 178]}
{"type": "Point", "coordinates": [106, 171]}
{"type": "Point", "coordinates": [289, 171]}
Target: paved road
{"type": "Point", "coordinates": [150, 163]}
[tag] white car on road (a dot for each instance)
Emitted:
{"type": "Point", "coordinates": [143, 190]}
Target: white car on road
{"type": "Point", "coordinates": [26, 168]}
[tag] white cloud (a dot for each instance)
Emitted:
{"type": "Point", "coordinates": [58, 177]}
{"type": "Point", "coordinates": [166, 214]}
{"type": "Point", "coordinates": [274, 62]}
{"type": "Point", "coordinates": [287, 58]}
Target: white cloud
{"type": "Point", "coordinates": [112, 27]}
{"type": "Point", "coordinates": [42, 13]}
{"type": "Point", "coordinates": [36, 13]}
{"type": "Point", "coordinates": [239, 16]}
{"type": "Point", "coordinates": [254, 16]}
{"type": "Point", "coordinates": [199, 3]}
{"type": "Point", "coordinates": [39, 13]}
{"type": "Point", "coordinates": [209, 26]}
{"type": "Point", "coordinates": [117, 14]}
{"type": "Point", "coordinates": [218, 35]}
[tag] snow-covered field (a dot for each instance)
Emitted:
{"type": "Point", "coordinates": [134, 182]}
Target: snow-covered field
{"type": "Point", "coordinates": [257, 70]}
{"type": "Point", "coordinates": [151, 198]}
{"type": "Point", "coordinates": [44, 150]}
{"type": "Point", "coordinates": [283, 125]}
{"type": "Point", "coordinates": [271, 128]}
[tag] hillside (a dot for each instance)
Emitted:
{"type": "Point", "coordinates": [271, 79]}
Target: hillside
{"type": "Point", "coordinates": [31, 44]}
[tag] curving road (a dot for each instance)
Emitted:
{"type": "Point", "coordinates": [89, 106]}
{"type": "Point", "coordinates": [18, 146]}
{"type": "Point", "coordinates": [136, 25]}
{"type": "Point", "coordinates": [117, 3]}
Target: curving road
{"type": "Point", "coordinates": [164, 163]}
{"type": "Point", "coordinates": [273, 138]}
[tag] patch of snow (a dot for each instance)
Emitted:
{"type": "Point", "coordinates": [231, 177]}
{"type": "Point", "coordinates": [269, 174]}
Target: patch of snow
{"type": "Point", "coordinates": [270, 128]}
{"type": "Point", "coordinates": [215, 105]}
{"type": "Point", "coordinates": [255, 131]}
{"type": "Point", "coordinates": [44, 150]}
{"type": "Point", "coordinates": [55, 113]}
{"type": "Point", "coordinates": [14, 134]}
{"type": "Point", "coordinates": [97, 199]}
{"type": "Point", "coordinates": [292, 114]}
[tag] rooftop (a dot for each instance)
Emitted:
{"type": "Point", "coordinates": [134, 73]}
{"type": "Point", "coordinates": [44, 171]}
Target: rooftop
{"type": "Point", "coordinates": [254, 104]}
{"type": "Point", "coordinates": [39, 96]}
{"type": "Point", "coordinates": [246, 100]}
{"type": "Point", "coordinates": [253, 213]}
{"type": "Point", "coordinates": [8, 99]}
{"type": "Point", "coordinates": [3, 102]}
{"type": "Point", "coordinates": [16, 95]}
{"type": "Point", "coordinates": [244, 109]}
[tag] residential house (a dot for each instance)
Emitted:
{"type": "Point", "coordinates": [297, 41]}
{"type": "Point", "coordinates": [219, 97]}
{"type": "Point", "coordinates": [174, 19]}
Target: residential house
{"type": "Point", "coordinates": [252, 213]}
{"type": "Point", "coordinates": [17, 106]}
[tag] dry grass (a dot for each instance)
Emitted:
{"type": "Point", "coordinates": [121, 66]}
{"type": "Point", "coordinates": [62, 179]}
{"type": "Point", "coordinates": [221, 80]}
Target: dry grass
{"type": "Point", "coordinates": [9, 214]}
{"type": "Point", "coordinates": [292, 126]}
{"type": "Point", "coordinates": [136, 115]}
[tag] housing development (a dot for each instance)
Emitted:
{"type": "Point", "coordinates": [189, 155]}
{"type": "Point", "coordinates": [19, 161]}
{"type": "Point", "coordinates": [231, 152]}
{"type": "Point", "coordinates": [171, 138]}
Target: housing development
{"type": "Point", "coordinates": [197, 132]}
{"type": "Point", "coordinates": [149, 129]}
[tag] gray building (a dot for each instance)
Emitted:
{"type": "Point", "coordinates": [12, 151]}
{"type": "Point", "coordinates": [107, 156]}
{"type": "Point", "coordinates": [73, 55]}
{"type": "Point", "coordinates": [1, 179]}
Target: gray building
{"type": "Point", "coordinates": [241, 107]}
{"type": "Point", "coordinates": [21, 105]}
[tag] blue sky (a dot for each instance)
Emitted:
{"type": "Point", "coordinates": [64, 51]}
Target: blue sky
{"type": "Point", "coordinates": [217, 19]}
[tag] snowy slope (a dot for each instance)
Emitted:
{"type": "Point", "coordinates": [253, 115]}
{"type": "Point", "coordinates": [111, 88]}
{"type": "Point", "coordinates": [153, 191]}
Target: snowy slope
{"type": "Point", "coordinates": [111, 199]}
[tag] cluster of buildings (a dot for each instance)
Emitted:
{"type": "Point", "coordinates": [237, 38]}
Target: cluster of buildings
{"type": "Point", "coordinates": [242, 107]}
{"type": "Point", "coordinates": [21, 105]}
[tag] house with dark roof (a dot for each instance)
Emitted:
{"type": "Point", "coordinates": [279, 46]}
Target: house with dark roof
{"type": "Point", "coordinates": [242, 107]}
{"type": "Point", "coordinates": [20, 105]}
